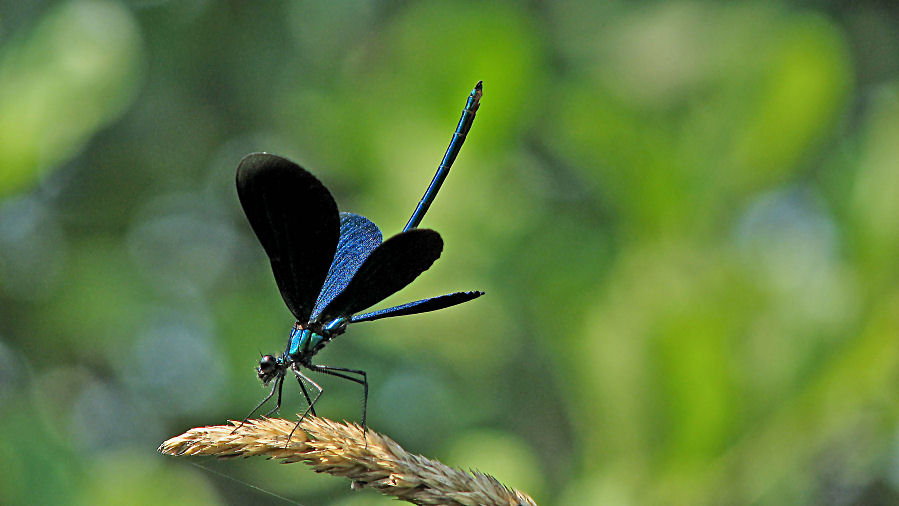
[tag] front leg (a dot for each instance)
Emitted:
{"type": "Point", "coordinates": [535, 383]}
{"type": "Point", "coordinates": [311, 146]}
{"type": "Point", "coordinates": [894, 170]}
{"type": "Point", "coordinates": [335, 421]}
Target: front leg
{"type": "Point", "coordinates": [278, 403]}
{"type": "Point", "coordinates": [279, 383]}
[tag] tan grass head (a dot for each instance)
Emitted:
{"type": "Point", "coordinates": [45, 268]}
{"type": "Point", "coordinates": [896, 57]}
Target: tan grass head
{"type": "Point", "coordinates": [368, 458]}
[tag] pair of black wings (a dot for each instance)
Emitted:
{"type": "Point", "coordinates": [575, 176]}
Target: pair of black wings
{"type": "Point", "coordinates": [329, 265]}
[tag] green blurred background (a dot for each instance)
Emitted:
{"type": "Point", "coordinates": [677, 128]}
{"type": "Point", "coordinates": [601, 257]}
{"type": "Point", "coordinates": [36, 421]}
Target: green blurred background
{"type": "Point", "coordinates": [685, 216]}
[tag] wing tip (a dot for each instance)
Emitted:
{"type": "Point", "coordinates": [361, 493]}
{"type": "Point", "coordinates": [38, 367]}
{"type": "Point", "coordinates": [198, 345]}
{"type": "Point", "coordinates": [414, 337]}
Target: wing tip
{"type": "Point", "coordinates": [257, 157]}
{"type": "Point", "coordinates": [287, 205]}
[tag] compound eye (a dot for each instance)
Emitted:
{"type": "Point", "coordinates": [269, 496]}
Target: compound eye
{"type": "Point", "coordinates": [268, 364]}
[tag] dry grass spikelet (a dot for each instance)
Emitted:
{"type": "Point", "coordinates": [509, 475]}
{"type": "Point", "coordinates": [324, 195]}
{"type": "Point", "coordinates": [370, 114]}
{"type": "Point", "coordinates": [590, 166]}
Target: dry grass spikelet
{"type": "Point", "coordinates": [370, 459]}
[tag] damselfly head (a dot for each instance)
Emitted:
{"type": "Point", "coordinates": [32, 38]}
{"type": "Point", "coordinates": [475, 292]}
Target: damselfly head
{"type": "Point", "coordinates": [268, 368]}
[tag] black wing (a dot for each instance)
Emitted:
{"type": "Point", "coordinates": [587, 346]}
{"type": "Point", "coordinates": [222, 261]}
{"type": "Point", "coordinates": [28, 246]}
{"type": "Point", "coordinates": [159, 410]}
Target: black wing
{"type": "Point", "coordinates": [419, 306]}
{"type": "Point", "coordinates": [295, 219]}
{"type": "Point", "coordinates": [390, 267]}
{"type": "Point", "coordinates": [358, 238]}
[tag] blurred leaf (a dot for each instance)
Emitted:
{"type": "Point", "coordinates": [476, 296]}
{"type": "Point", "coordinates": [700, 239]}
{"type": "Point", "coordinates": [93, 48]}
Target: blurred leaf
{"type": "Point", "coordinates": [682, 121]}
{"type": "Point", "coordinates": [874, 203]}
{"type": "Point", "coordinates": [801, 93]}
{"type": "Point", "coordinates": [500, 455]}
{"type": "Point", "coordinates": [61, 81]}
{"type": "Point", "coordinates": [127, 478]}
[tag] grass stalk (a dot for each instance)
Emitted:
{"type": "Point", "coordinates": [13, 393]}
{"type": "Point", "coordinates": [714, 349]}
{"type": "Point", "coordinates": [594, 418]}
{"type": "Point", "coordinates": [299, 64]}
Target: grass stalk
{"type": "Point", "coordinates": [370, 460]}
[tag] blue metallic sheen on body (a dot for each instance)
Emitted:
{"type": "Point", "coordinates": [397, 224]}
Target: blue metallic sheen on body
{"type": "Point", "coordinates": [302, 341]}
{"type": "Point", "coordinates": [313, 341]}
{"type": "Point", "coordinates": [465, 122]}
{"type": "Point", "coordinates": [295, 344]}
{"type": "Point", "coordinates": [338, 325]}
